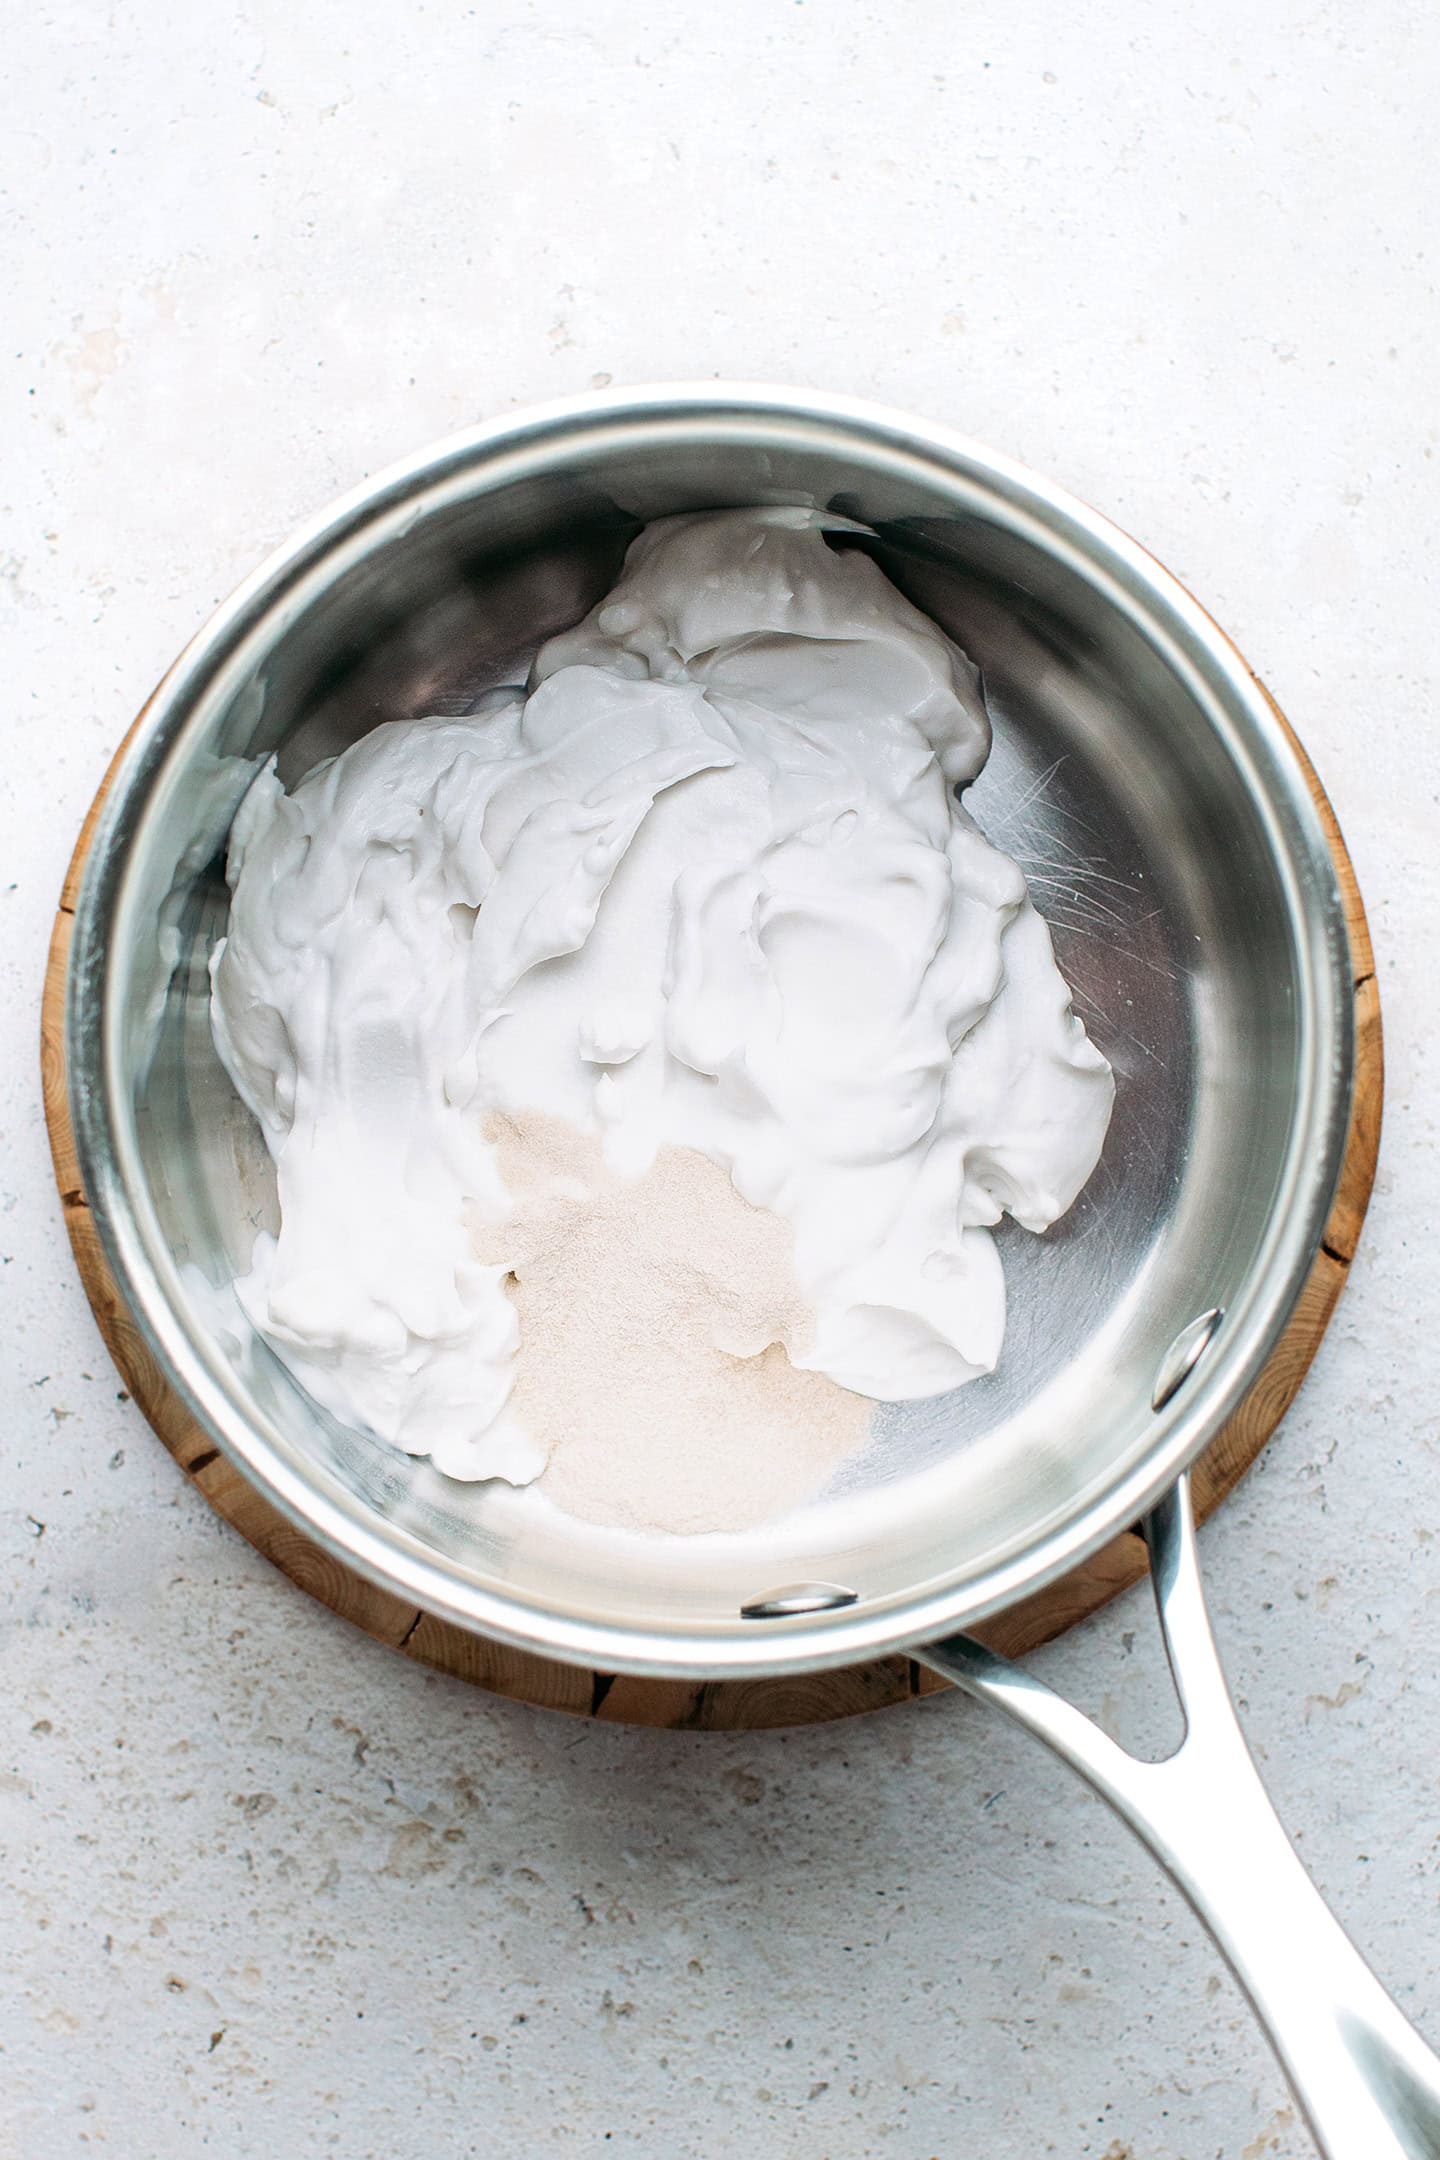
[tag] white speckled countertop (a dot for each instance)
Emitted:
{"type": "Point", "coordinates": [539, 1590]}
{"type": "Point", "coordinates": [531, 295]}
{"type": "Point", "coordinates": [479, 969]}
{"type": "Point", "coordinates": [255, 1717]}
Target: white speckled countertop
{"type": "Point", "coordinates": [268, 1889]}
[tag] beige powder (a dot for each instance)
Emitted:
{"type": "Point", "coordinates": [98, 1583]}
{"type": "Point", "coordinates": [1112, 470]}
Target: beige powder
{"type": "Point", "coordinates": [654, 1315]}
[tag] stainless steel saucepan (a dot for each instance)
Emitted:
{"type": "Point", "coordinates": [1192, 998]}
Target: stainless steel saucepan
{"type": "Point", "coordinates": [1151, 795]}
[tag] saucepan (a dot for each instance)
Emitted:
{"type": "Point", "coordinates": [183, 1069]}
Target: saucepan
{"type": "Point", "coordinates": [1156, 803]}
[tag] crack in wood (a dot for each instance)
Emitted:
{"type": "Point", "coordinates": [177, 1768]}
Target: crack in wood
{"type": "Point", "coordinates": [203, 1462]}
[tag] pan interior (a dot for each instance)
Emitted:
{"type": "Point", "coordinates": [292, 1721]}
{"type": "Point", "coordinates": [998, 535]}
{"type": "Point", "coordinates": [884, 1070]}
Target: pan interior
{"type": "Point", "coordinates": [1147, 851]}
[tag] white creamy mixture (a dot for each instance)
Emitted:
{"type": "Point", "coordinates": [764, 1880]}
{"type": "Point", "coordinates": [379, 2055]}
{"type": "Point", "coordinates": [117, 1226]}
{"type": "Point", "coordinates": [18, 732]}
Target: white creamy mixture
{"type": "Point", "coordinates": [704, 884]}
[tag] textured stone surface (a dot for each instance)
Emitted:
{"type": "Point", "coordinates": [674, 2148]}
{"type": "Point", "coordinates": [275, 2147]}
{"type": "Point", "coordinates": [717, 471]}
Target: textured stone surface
{"type": "Point", "coordinates": [269, 1888]}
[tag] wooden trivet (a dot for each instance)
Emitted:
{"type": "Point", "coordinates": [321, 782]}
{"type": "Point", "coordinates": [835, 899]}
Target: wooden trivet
{"type": "Point", "coordinates": [725, 1705]}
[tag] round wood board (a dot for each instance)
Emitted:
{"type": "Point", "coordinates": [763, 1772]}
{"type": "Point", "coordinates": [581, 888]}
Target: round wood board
{"type": "Point", "coordinates": [726, 1705]}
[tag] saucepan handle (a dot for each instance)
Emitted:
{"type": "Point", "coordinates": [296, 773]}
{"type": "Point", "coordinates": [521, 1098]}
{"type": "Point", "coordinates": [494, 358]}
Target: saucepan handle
{"type": "Point", "coordinates": [1368, 2084]}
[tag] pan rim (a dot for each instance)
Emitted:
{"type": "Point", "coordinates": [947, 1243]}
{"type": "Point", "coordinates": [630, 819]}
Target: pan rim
{"type": "Point", "coordinates": [313, 1499]}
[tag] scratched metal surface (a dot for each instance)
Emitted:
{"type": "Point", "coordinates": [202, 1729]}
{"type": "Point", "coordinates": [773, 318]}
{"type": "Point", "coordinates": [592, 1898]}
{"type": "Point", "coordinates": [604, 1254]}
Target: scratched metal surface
{"type": "Point", "coordinates": [1115, 792]}
{"type": "Point", "coordinates": [1123, 938]}
{"type": "Point", "coordinates": [1081, 789]}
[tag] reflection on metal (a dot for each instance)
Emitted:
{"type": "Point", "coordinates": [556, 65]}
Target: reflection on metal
{"type": "Point", "coordinates": [1367, 2083]}
{"type": "Point", "coordinates": [1138, 777]}
{"type": "Point", "coordinates": [805, 1597]}
{"type": "Point", "coordinates": [1183, 1355]}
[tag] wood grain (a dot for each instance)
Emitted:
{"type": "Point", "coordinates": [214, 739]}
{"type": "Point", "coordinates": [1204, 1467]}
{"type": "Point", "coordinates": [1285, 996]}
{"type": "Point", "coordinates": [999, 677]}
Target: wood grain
{"type": "Point", "coordinates": [727, 1705]}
